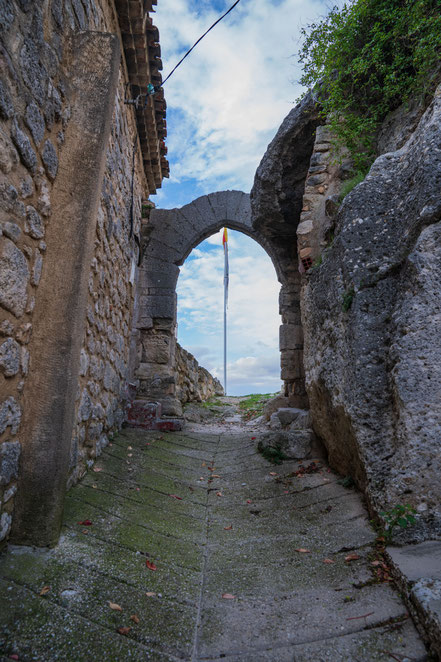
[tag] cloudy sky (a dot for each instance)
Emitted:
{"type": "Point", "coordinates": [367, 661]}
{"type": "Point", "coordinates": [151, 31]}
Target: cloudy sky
{"type": "Point", "coordinates": [225, 104]}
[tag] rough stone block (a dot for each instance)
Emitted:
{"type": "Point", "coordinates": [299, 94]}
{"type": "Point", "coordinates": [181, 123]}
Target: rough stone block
{"type": "Point", "coordinates": [160, 306]}
{"type": "Point", "coordinates": [290, 336]}
{"type": "Point", "coordinates": [8, 154]}
{"type": "Point", "coordinates": [35, 122]}
{"type": "Point", "coordinates": [14, 278]}
{"type": "Point", "coordinates": [9, 357]}
{"type": "Point", "coordinates": [24, 147]}
{"type": "Point", "coordinates": [6, 105]}
{"type": "Point", "coordinates": [50, 159]}
{"type": "Point", "coordinates": [34, 225]}
{"type": "Point", "coordinates": [5, 525]}
{"type": "Point", "coordinates": [9, 461]}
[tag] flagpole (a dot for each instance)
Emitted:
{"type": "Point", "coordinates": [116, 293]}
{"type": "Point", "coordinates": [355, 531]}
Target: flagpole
{"type": "Point", "coordinates": [226, 278]}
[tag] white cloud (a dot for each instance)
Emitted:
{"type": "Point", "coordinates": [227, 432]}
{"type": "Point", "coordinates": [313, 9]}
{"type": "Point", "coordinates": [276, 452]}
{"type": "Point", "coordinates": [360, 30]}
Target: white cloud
{"type": "Point", "coordinates": [253, 320]}
{"type": "Point", "coordinates": [235, 88]}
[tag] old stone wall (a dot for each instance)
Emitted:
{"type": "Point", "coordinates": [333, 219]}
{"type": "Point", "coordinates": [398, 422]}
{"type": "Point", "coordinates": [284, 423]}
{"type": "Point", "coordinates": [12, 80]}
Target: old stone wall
{"type": "Point", "coordinates": [104, 372]}
{"type": "Point", "coordinates": [40, 93]}
{"type": "Point", "coordinates": [193, 382]}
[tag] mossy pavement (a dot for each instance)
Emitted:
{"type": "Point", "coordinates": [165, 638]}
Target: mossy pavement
{"type": "Point", "coordinates": [251, 563]}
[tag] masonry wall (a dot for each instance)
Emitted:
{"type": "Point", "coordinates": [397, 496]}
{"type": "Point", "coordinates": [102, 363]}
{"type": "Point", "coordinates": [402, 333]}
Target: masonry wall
{"type": "Point", "coordinates": [193, 382]}
{"type": "Point", "coordinates": [35, 111]}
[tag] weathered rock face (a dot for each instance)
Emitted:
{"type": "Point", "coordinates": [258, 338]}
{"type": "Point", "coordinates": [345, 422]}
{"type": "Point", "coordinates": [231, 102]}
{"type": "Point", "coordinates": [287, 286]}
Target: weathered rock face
{"type": "Point", "coordinates": [193, 382]}
{"type": "Point", "coordinates": [372, 316]}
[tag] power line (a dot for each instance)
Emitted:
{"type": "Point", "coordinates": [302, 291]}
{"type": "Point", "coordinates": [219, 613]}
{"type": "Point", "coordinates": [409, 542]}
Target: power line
{"type": "Point", "coordinates": [197, 42]}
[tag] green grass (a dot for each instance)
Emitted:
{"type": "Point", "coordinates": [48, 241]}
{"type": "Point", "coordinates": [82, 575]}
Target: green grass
{"type": "Point", "coordinates": [350, 184]}
{"type": "Point", "coordinates": [254, 404]}
{"type": "Point", "coordinates": [273, 454]}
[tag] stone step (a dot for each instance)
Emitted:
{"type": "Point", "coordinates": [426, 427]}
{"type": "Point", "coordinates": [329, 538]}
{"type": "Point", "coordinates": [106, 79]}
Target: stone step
{"type": "Point", "coordinates": [148, 416]}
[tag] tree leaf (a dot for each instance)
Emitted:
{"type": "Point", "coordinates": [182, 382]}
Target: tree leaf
{"type": "Point", "coordinates": [114, 606]}
{"type": "Point", "coordinates": [352, 557]}
{"type": "Point", "coordinates": [124, 631]}
{"type": "Point", "coordinates": [97, 469]}
{"type": "Point", "coordinates": [302, 550]}
{"type": "Point", "coordinates": [150, 594]}
{"type": "Point", "coordinates": [45, 590]}
{"type": "Point", "coordinates": [150, 565]}
{"type": "Point", "coordinates": [328, 561]}
{"type": "Point", "coordinates": [228, 596]}
{"type": "Point", "coordinates": [134, 618]}
{"type": "Point", "coordinates": [228, 528]}
{"type": "Point", "coordinates": [173, 496]}
{"type": "Point", "coordinates": [86, 522]}
{"type": "Point", "coordinates": [219, 494]}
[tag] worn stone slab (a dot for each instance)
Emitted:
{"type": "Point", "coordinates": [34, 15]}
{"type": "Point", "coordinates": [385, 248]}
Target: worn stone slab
{"type": "Point", "coordinates": [125, 515]}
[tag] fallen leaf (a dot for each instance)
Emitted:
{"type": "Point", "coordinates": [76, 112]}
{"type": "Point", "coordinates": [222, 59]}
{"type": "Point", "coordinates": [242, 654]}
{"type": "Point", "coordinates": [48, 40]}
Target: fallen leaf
{"type": "Point", "coordinates": [129, 454]}
{"type": "Point", "coordinates": [201, 478]}
{"type": "Point", "coordinates": [328, 561]}
{"type": "Point", "coordinates": [228, 596]}
{"type": "Point", "coordinates": [150, 565]}
{"type": "Point", "coordinates": [150, 594]}
{"type": "Point", "coordinates": [124, 630]}
{"type": "Point", "coordinates": [228, 528]}
{"type": "Point", "coordinates": [137, 489]}
{"type": "Point", "coordinates": [273, 473]}
{"type": "Point", "coordinates": [302, 550]}
{"type": "Point", "coordinates": [249, 501]}
{"type": "Point", "coordinates": [352, 557]}
{"type": "Point", "coordinates": [211, 468]}
{"type": "Point", "coordinates": [85, 531]}
{"type": "Point", "coordinates": [97, 469]}
{"type": "Point", "coordinates": [375, 562]}
{"type": "Point", "coordinates": [173, 496]}
{"type": "Point", "coordinates": [129, 448]}
{"type": "Point", "coordinates": [114, 606]}
{"type": "Point", "coordinates": [204, 464]}
{"type": "Point", "coordinates": [45, 590]}
{"type": "Point", "coordinates": [253, 438]}
{"type": "Point", "coordinates": [134, 618]}
{"type": "Point", "coordinates": [219, 494]}
{"type": "Point", "coordinates": [94, 486]}
{"type": "Point", "coordinates": [215, 476]}
{"type": "Point", "coordinates": [14, 656]}
{"type": "Point", "coordinates": [86, 522]}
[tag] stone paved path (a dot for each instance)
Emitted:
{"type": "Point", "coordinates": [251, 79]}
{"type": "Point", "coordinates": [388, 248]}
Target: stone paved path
{"type": "Point", "coordinates": [241, 535]}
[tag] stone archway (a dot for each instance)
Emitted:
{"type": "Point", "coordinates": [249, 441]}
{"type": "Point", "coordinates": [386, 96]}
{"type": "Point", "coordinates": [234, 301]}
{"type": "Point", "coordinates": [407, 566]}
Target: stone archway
{"type": "Point", "coordinates": [172, 235]}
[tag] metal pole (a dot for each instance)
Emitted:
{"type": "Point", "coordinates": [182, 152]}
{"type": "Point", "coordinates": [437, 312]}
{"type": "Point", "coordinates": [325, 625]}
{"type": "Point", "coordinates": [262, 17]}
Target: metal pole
{"type": "Point", "coordinates": [225, 314]}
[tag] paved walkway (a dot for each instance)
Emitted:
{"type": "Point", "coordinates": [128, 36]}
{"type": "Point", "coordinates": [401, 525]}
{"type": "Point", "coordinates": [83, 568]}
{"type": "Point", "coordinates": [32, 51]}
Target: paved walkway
{"type": "Point", "coordinates": [191, 546]}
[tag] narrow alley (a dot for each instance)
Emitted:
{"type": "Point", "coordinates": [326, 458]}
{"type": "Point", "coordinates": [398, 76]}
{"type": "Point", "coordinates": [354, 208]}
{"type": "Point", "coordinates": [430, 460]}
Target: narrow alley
{"type": "Point", "coordinates": [192, 546]}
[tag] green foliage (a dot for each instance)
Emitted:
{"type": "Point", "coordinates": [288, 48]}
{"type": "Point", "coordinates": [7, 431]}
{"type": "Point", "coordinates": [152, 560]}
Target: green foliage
{"type": "Point", "coordinates": [273, 454]}
{"type": "Point", "coordinates": [350, 184]}
{"type": "Point", "coordinates": [348, 297]}
{"type": "Point", "coordinates": [254, 404]}
{"type": "Point", "coordinates": [368, 58]}
{"type": "Point", "coordinates": [347, 482]}
{"type": "Point", "coordinates": [401, 515]}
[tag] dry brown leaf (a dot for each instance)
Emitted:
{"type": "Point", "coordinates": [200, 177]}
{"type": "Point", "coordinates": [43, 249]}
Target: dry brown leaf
{"type": "Point", "coordinates": [204, 464]}
{"type": "Point", "coordinates": [150, 594]}
{"type": "Point", "coordinates": [302, 550]}
{"type": "Point", "coordinates": [129, 448]}
{"type": "Point", "coordinates": [94, 486]}
{"type": "Point", "coordinates": [97, 469]}
{"type": "Point", "coordinates": [45, 590]}
{"type": "Point", "coordinates": [215, 476]}
{"type": "Point", "coordinates": [211, 468]}
{"type": "Point", "coordinates": [328, 561]}
{"type": "Point", "coordinates": [124, 630]}
{"type": "Point", "coordinates": [134, 618]}
{"type": "Point", "coordinates": [273, 473]}
{"type": "Point", "coordinates": [219, 494]}
{"type": "Point", "coordinates": [375, 563]}
{"type": "Point", "coordinates": [228, 596]}
{"type": "Point", "coordinates": [129, 454]}
{"type": "Point", "coordinates": [352, 557]}
{"type": "Point", "coordinates": [85, 531]}
{"type": "Point", "coordinates": [114, 606]}
{"type": "Point", "coordinates": [228, 528]}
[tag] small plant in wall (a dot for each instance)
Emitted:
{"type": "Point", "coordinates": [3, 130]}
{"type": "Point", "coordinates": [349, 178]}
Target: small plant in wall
{"type": "Point", "coordinates": [401, 515]}
{"type": "Point", "coordinates": [348, 297]}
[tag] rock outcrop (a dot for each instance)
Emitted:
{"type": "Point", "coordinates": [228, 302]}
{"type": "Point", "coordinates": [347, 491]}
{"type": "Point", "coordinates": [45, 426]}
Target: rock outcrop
{"type": "Point", "coordinates": [371, 316]}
